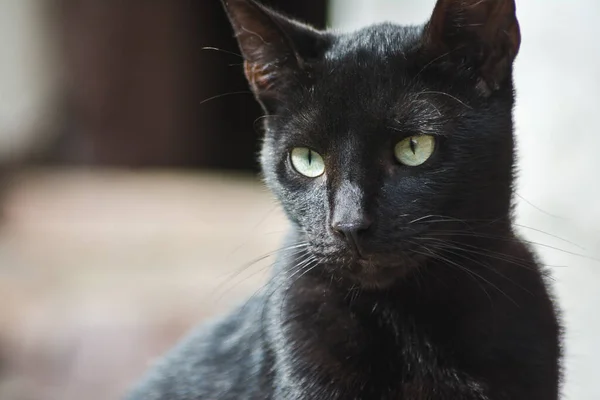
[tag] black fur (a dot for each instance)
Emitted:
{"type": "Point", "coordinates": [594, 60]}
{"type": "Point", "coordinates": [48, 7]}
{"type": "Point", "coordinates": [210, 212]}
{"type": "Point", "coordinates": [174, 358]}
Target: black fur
{"type": "Point", "coordinates": [434, 297]}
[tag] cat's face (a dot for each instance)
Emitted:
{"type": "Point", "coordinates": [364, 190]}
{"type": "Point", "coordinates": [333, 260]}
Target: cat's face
{"type": "Point", "coordinates": [379, 139]}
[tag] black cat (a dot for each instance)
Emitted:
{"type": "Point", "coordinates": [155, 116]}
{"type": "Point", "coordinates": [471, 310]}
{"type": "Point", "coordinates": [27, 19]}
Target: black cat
{"type": "Point", "coordinates": [391, 150]}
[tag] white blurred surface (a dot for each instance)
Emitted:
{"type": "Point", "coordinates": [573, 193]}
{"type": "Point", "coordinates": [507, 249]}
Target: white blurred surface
{"type": "Point", "coordinates": [558, 85]}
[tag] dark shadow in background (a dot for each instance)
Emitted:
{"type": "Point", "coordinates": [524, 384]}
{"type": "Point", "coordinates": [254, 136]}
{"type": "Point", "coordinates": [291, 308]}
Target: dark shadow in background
{"type": "Point", "coordinates": [139, 91]}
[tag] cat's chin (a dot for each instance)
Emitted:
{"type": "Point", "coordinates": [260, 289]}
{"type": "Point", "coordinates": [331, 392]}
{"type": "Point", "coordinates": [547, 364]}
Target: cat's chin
{"type": "Point", "coordinates": [373, 275]}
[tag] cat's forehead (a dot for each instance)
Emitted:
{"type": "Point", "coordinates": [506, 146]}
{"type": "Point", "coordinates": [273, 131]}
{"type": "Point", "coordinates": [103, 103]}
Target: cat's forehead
{"type": "Point", "coordinates": [368, 69]}
{"type": "Point", "coordinates": [365, 88]}
{"type": "Point", "coordinates": [357, 117]}
{"type": "Point", "coordinates": [380, 41]}
{"type": "Point", "coordinates": [366, 78]}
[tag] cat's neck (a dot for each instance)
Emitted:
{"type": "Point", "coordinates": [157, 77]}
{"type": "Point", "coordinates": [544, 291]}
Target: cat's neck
{"type": "Point", "coordinates": [432, 286]}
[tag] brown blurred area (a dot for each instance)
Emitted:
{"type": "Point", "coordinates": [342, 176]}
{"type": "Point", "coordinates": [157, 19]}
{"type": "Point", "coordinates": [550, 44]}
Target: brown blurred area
{"type": "Point", "coordinates": [129, 204]}
{"type": "Point", "coordinates": [156, 83]}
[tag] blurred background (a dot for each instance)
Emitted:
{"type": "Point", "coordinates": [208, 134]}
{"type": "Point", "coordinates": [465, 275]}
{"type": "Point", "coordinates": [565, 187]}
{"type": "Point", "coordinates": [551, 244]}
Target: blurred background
{"type": "Point", "coordinates": [130, 209]}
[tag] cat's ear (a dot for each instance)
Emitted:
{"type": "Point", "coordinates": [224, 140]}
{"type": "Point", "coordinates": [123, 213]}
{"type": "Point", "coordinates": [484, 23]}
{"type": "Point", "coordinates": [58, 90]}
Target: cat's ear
{"type": "Point", "coordinates": [483, 33]}
{"type": "Point", "coordinates": [277, 50]}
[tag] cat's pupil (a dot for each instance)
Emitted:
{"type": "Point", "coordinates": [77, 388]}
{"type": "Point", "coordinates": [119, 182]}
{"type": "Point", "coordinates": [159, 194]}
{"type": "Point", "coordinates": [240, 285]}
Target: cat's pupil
{"type": "Point", "coordinates": [309, 157]}
{"type": "Point", "coordinates": [413, 145]}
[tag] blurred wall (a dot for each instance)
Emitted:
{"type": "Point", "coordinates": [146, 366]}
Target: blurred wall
{"type": "Point", "coordinates": [27, 75]}
{"type": "Point", "coordinates": [140, 87]}
{"type": "Point", "coordinates": [558, 88]}
{"type": "Point", "coordinates": [113, 83]}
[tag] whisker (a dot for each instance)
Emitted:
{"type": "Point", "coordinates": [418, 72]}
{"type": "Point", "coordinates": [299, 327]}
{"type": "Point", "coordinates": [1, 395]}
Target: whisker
{"type": "Point", "coordinates": [447, 95]}
{"type": "Point", "coordinates": [467, 222]}
{"type": "Point", "coordinates": [551, 235]}
{"type": "Point", "coordinates": [481, 263]}
{"type": "Point", "coordinates": [538, 208]}
{"type": "Point", "coordinates": [307, 266]}
{"type": "Point", "coordinates": [488, 253]}
{"type": "Point", "coordinates": [514, 240]}
{"type": "Point", "coordinates": [432, 62]}
{"type": "Point", "coordinates": [448, 260]}
{"type": "Point", "coordinates": [255, 227]}
{"type": "Point", "coordinates": [421, 218]}
{"type": "Point", "coordinates": [299, 267]}
{"type": "Point", "coordinates": [222, 51]}
{"type": "Point", "coordinates": [223, 95]}
{"type": "Point", "coordinates": [460, 267]}
{"type": "Point", "coordinates": [442, 218]}
{"type": "Point", "coordinates": [296, 249]}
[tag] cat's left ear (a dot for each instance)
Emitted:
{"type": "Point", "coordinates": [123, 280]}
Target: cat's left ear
{"type": "Point", "coordinates": [481, 33]}
{"type": "Point", "coordinates": [277, 50]}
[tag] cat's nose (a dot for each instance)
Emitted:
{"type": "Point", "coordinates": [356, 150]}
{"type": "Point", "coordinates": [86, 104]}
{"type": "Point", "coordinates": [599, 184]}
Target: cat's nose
{"type": "Point", "coordinates": [352, 231]}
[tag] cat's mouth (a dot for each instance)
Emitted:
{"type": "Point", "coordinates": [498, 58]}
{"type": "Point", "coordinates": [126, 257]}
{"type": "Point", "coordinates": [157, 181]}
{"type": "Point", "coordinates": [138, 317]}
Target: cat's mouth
{"type": "Point", "coordinates": [375, 269]}
{"type": "Point", "coordinates": [371, 273]}
{"type": "Point", "coordinates": [368, 256]}
{"type": "Point", "coordinates": [375, 262]}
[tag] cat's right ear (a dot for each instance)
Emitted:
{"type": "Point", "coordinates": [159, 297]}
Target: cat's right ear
{"type": "Point", "coordinates": [482, 35]}
{"type": "Point", "coordinates": [277, 51]}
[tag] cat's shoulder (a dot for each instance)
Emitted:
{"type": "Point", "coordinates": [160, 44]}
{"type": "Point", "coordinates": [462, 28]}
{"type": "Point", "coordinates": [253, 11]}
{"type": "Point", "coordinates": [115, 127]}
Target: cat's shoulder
{"type": "Point", "coordinates": [215, 357]}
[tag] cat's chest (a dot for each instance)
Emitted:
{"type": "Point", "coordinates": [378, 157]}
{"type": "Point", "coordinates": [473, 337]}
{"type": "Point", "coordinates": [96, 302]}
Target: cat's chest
{"type": "Point", "coordinates": [403, 372]}
{"type": "Point", "coordinates": [377, 352]}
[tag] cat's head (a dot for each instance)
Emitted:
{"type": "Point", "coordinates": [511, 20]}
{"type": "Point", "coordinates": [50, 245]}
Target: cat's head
{"type": "Point", "coordinates": [379, 139]}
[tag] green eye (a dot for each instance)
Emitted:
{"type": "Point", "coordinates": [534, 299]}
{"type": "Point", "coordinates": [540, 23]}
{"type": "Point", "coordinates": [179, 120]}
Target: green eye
{"type": "Point", "coordinates": [414, 150]}
{"type": "Point", "coordinates": [307, 162]}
